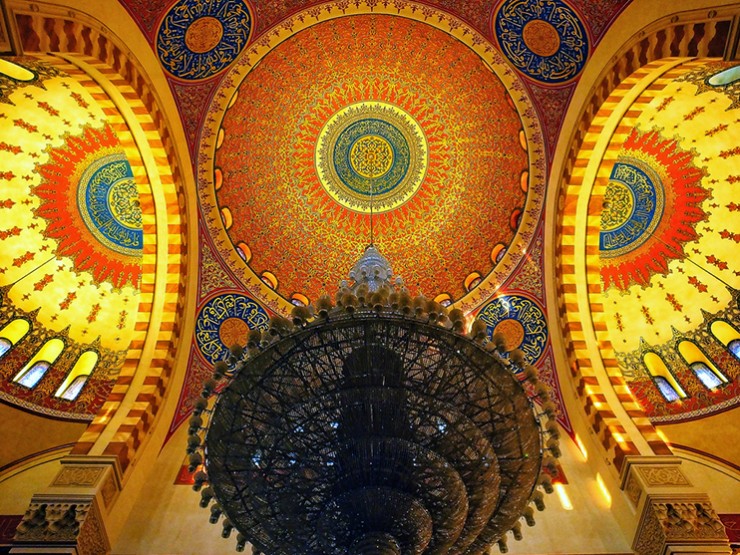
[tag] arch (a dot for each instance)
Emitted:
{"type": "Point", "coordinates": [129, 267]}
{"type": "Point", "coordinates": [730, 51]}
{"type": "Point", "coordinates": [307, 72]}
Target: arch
{"type": "Point", "coordinates": [660, 373]}
{"type": "Point", "coordinates": [125, 418]}
{"type": "Point", "coordinates": [77, 377]}
{"type": "Point", "coordinates": [666, 389]}
{"type": "Point", "coordinates": [700, 365]}
{"type": "Point", "coordinates": [724, 332]}
{"type": "Point", "coordinates": [650, 44]}
{"type": "Point", "coordinates": [15, 71]}
{"type": "Point", "coordinates": [12, 333]}
{"type": "Point", "coordinates": [36, 368]}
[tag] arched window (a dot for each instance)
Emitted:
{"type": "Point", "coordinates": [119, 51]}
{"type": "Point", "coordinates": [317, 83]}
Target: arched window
{"type": "Point", "coordinates": [703, 368]}
{"type": "Point", "coordinates": [666, 389]}
{"type": "Point", "coordinates": [662, 377]}
{"type": "Point", "coordinates": [77, 377]}
{"type": "Point", "coordinates": [705, 375]}
{"type": "Point", "coordinates": [36, 368]}
{"type": "Point", "coordinates": [32, 376]}
{"type": "Point", "coordinates": [5, 346]}
{"type": "Point", "coordinates": [15, 71]}
{"type": "Point", "coordinates": [727, 335]}
{"type": "Point", "coordinates": [71, 393]}
{"type": "Point", "coordinates": [734, 347]}
{"type": "Point", "coordinates": [11, 333]}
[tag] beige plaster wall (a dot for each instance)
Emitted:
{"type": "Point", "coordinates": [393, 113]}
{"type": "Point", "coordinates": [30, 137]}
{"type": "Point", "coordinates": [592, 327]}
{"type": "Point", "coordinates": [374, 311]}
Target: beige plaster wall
{"type": "Point", "coordinates": [18, 485]}
{"type": "Point", "coordinates": [716, 436]}
{"type": "Point", "coordinates": [23, 434]}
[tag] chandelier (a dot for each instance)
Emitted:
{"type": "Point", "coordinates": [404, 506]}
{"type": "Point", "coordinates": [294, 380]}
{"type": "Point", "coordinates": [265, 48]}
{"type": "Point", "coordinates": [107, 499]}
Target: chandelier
{"type": "Point", "coordinates": [373, 424]}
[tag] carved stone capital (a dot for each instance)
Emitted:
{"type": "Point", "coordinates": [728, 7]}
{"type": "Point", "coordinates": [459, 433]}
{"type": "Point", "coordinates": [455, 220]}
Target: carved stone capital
{"type": "Point", "coordinates": [71, 522]}
{"type": "Point", "coordinates": [679, 524]}
{"type": "Point", "coordinates": [647, 475]}
{"type": "Point", "coordinates": [69, 515]}
{"type": "Point", "coordinates": [99, 476]}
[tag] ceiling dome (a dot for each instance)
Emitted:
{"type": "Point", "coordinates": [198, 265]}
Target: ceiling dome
{"type": "Point", "coordinates": [376, 113]}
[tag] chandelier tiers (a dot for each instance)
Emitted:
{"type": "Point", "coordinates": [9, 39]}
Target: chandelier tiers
{"type": "Point", "coordinates": [372, 425]}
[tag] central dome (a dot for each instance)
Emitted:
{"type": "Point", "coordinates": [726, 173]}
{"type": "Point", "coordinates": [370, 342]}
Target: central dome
{"type": "Point", "coordinates": [373, 109]}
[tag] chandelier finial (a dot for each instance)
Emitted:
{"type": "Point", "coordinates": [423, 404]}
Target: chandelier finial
{"type": "Point", "coordinates": [373, 271]}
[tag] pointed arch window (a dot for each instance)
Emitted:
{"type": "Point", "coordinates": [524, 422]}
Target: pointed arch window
{"type": "Point", "coordinates": [15, 71]}
{"type": "Point", "coordinates": [34, 374]}
{"type": "Point", "coordinates": [666, 389]}
{"type": "Point", "coordinates": [705, 375]}
{"type": "Point", "coordinates": [734, 348]}
{"type": "Point", "coordinates": [5, 346]}
{"type": "Point", "coordinates": [703, 368]}
{"type": "Point", "coordinates": [728, 335]}
{"type": "Point", "coordinates": [664, 380]}
{"type": "Point", "coordinates": [78, 376]}
{"type": "Point", "coordinates": [37, 367]}
{"type": "Point", "coordinates": [11, 334]}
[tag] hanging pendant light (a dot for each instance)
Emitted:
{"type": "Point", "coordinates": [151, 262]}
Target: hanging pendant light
{"type": "Point", "coordinates": [372, 424]}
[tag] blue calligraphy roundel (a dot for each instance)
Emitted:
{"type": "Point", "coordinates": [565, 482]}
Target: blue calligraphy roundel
{"type": "Point", "coordinates": [197, 40]}
{"type": "Point", "coordinates": [544, 39]}
{"type": "Point", "coordinates": [521, 321]}
{"type": "Point", "coordinates": [108, 201]}
{"type": "Point", "coordinates": [224, 321]}
{"type": "Point", "coordinates": [633, 207]}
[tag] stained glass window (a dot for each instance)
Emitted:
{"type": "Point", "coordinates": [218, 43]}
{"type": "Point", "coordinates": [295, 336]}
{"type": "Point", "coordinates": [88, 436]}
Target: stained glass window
{"type": "Point", "coordinates": [34, 374]}
{"type": "Point", "coordinates": [77, 377]}
{"type": "Point", "coordinates": [666, 389]}
{"type": "Point", "coordinates": [71, 393]}
{"type": "Point", "coordinates": [705, 374]}
{"type": "Point", "coordinates": [734, 347]}
{"type": "Point", "coordinates": [35, 369]}
{"type": "Point", "coordinates": [5, 346]}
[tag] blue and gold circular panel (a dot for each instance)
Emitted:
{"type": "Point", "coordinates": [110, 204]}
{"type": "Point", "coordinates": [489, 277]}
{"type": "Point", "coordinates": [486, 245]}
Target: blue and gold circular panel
{"type": "Point", "coordinates": [197, 40]}
{"type": "Point", "coordinates": [371, 153]}
{"type": "Point", "coordinates": [633, 207]}
{"type": "Point", "coordinates": [108, 201]}
{"type": "Point", "coordinates": [522, 323]}
{"type": "Point", "coordinates": [544, 39]}
{"type": "Point", "coordinates": [224, 321]}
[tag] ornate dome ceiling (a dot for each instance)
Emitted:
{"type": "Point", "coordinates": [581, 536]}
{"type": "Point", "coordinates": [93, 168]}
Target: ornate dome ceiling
{"type": "Point", "coordinates": [668, 240]}
{"type": "Point", "coordinates": [72, 242]}
{"type": "Point", "coordinates": [343, 109]}
{"type": "Point", "coordinates": [435, 146]}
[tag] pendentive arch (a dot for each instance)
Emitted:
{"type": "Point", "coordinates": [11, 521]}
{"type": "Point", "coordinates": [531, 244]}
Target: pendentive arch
{"type": "Point", "coordinates": [80, 43]}
{"type": "Point", "coordinates": [610, 83]}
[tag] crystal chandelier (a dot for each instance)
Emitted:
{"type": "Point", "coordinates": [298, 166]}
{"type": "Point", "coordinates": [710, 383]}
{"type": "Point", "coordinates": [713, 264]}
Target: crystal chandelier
{"type": "Point", "coordinates": [373, 424]}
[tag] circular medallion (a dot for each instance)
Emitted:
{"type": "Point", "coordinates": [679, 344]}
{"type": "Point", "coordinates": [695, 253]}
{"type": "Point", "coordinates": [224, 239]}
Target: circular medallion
{"type": "Point", "coordinates": [651, 206]}
{"type": "Point", "coordinates": [371, 156]}
{"type": "Point", "coordinates": [233, 331]}
{"type": "Point", "coordinates": [197, 40]}
{"type": "Point", "coordinates": [123, 200]}
{"type": "Point", "coordinates": [204, 35]}
{"type": "Point", "coordinates": [618, 205]}
{"type": "Point", "coordinates": [633, 207]}
{"type": "Point", "coordinates": [371, 151]}
{"type": "Point", "coordinates": [544, 39]}
{"type": "Point", "coordinates": [541, 37]}
{"type": "Point", "coordinates": [512, 331]}
{"type": "Point", "coordinates": [90, 198]}
{"type": "Point", "coordinates": [522, 323]}
{"type": "Point", "coordinates": [224, 321]}
{"type": "Point", "coordinates": [109, 204]}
